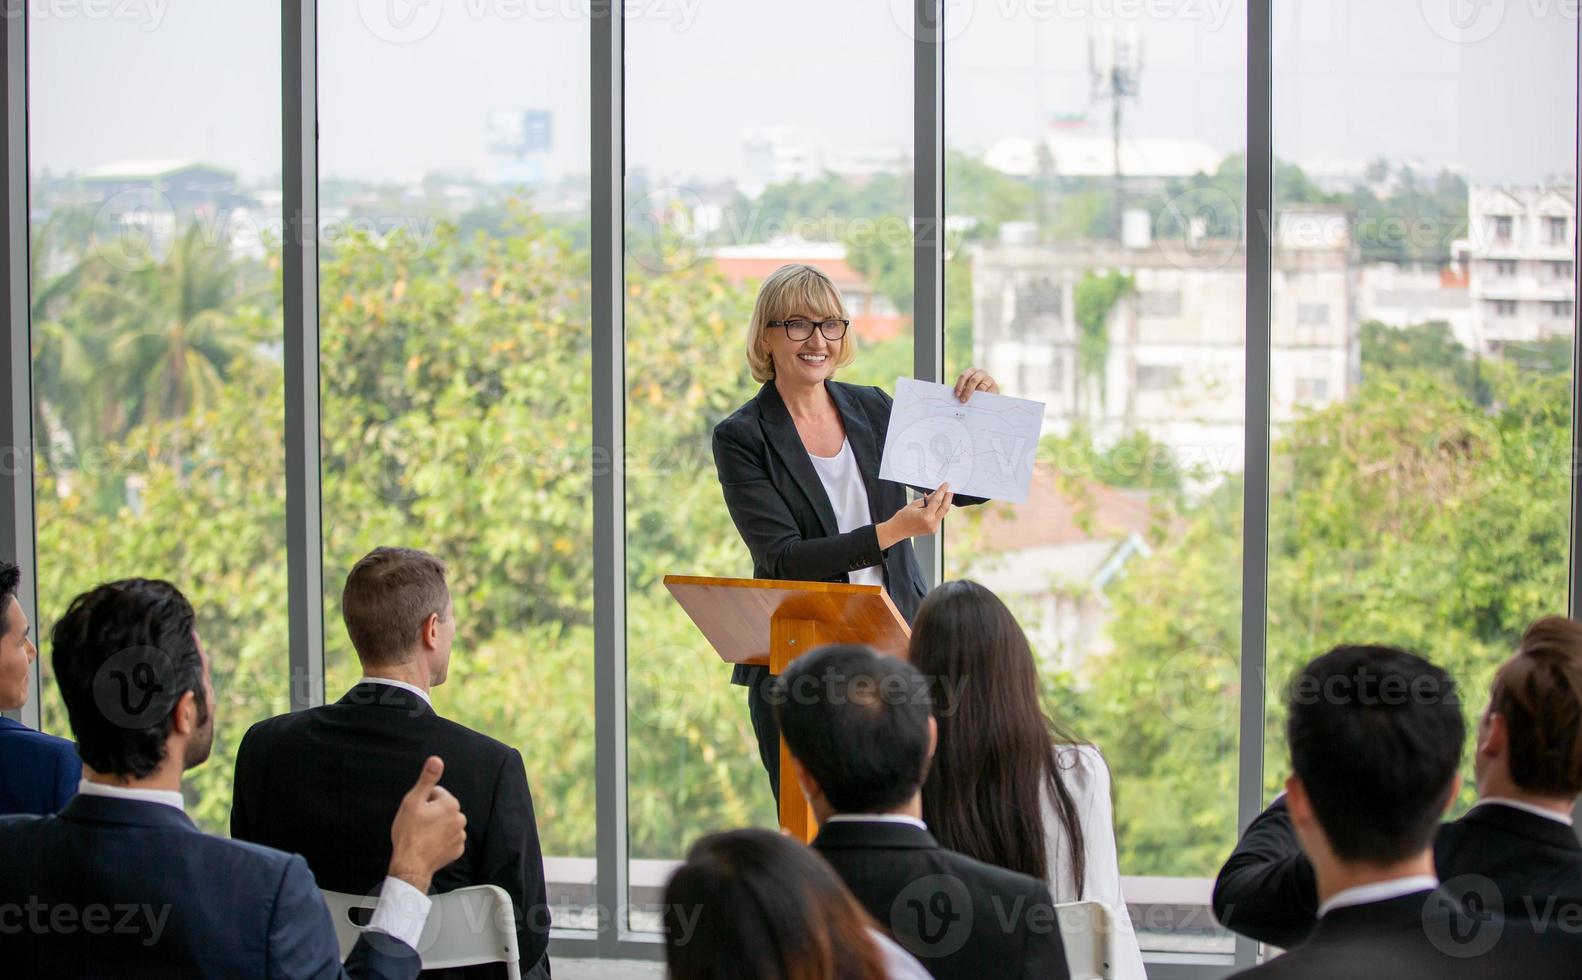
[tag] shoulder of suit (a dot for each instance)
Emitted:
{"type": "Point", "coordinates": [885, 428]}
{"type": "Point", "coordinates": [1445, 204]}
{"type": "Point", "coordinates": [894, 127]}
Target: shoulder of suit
{"type": "Point", "coordinates": [745, 415]}
{"type": "Point", "coordinates": [1004, 878]}
{"type": "Point", "coordinates": [40, 740]}
{"type": "Point", "coordinates": [486, 745]}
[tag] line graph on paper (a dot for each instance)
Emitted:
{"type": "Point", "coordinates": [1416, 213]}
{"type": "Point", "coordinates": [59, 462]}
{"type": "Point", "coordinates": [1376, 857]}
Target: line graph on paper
{"type": "Point", "coordinates": [983, 448]}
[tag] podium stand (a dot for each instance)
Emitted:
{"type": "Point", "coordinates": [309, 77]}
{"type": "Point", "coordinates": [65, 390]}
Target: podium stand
{"type": "Point", "coordinates": [772, 622]}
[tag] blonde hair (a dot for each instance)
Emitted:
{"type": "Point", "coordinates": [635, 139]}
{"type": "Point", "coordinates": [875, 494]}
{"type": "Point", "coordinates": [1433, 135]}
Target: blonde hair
{"type": "Point", "coordinates": [789, 291]}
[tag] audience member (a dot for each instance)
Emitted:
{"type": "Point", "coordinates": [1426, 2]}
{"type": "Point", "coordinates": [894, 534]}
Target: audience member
{"type": "Point", "coordinates": [860, 732]}
{"type": "Point", "coordinates": [754, 903]}
{"type": "Point", "coordinates": [38, 772]}
{"type": "Point", "coordinates": [1518, 837]}
{"type": "Point", "coordinates": [1008, 786]}
{"type": "Point", "coordinates": [120, 883]}
{"type": "Point", "coordinates": [1375, 736]}
{"type": "Point", "coordinates": [313, 782]}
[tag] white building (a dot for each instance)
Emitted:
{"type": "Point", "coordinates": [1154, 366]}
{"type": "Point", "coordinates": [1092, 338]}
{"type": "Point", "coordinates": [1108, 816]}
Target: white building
{"type": "Point", "coordinates": [1174, 353]}
{"type": "Point", "coordinates": [785, 154]}
{"type": "Point", "coordinates": [1520, 265]}
{"type": "Point", "coordinates": [1409, 295]}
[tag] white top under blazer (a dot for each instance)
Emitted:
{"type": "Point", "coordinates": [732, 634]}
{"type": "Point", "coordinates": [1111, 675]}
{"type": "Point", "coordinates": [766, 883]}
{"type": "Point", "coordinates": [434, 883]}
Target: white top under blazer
{"type": "Point", "coordinates": [848, 495]}
{"type": "Point", "coordinates": [1087, 778]}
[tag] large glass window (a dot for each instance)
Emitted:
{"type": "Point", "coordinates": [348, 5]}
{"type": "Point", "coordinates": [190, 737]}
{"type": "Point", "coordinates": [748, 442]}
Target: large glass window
{"type": "Point", "coordinates": [455, 366]}
{"type": "Point", "coordinates": [1419, 488]}
{"type": "Point", "coordinates": [745, 150]}
{"type": "Point", "coordinates": [1093, 197]}
{"type": "Point", "coordinates": [154, 159]}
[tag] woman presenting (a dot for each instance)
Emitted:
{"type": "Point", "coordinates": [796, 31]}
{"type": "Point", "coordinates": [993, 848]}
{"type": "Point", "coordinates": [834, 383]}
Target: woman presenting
{"type": "Point", "coordinates": [799, 466]}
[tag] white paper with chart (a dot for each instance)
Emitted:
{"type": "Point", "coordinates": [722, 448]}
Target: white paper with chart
{"type": "Point", "coordinates": [982, 448]}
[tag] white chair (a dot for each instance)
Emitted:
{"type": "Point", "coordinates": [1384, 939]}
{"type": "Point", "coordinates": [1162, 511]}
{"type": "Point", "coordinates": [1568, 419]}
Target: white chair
{"type": "Point", "coordinates": [465, 927]}
{"type": "Point", "coordinates": [1086, 930]}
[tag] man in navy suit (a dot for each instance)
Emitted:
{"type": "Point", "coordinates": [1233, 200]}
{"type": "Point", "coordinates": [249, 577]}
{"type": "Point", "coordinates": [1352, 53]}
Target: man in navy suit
{"type": "Point", "coordinates": [38, 772]}
{"type": "Point", "coordinates": [120, 883]}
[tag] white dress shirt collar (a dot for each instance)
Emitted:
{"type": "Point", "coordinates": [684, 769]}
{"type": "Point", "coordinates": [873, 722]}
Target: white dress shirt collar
{"type": "Point", "coordinates": [1378, 891]}
{"type": "Point", "coordinates": [165, 796]}
{"type": "Point", "coordinates": [403, 685]}
{"type": "Point", "coordinates": [1536, 811]}
{"type": "Point", "coordinates": [877, 818]}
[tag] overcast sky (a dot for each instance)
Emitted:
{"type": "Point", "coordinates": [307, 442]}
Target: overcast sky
{"type": "Point", "coordinates": [406, 86]}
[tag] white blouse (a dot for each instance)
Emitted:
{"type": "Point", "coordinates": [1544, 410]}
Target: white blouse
{"type": "Point", "coordinates": [1087, 778]}
{"type": "Point", "coordinates": [848, 495]}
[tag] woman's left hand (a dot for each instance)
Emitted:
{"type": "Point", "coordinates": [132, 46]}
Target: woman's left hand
{"type": "Point", "coordinates": [975, 379]}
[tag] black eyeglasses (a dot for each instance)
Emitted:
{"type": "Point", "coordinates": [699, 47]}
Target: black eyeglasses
{"type": "Point", "coordinates": [803, 329]}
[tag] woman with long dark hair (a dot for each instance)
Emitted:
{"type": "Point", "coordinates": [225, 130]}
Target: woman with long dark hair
{"type": "Point", "coordinates": [1009, 785]}
{"type": "Point", "coordinates": [757, 905]}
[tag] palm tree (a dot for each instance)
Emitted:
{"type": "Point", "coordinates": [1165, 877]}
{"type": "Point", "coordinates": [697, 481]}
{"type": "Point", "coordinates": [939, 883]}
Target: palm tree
{"type": "Point", "coordinates": [172, 334]}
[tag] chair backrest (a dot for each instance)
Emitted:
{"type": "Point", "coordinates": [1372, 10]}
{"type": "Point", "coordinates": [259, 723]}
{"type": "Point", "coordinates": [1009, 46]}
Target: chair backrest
{"type": "Point", "coordinates": [1085, 929]}
{"type": "Point", "coordinates": [465, 927]}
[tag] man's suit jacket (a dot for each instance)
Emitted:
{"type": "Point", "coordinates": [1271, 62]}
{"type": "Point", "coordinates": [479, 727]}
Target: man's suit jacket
{"type": "Point", "coordinates": [783, 513]}
{"type": "Point", "coordinates": [1423, 936]}
{"type": "Point", "coordinates": [1266, 889]}
{"type": "Point", "coordinates": [127, 889]}
{"type": "Point", "coordinates": [962, 919]}
{"type": "Point", "coordinates": [325, 783]}
{"type": "Point", "coordinates": [38, 772]}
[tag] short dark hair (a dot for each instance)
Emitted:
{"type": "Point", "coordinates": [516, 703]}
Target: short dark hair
{"type": "Point", "coordinates": [124, 654]}
{"type": "Point", "coordinates": [1375, 735]}
{"type": "Point", "coordinates": [389, 595]}
{"type": "Point", "coordinates": [10, 579]}
{"type": "Point", "coordinates": [1539, 691]}
{"type": "Point", "coordinates": [754, 903]}
{"type": "Point", "coordinates": [857, 721]}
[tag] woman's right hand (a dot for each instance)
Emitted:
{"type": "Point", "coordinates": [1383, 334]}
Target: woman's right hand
{"type": "Point", "coordinates": [921, 516]}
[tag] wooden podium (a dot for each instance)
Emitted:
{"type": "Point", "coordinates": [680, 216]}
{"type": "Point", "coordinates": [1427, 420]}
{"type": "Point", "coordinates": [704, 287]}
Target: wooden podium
{"type": "Point", "coordinates": [771, 622]}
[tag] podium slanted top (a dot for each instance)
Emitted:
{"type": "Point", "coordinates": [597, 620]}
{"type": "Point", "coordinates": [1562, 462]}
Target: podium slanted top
{"type": "Point", "coordinates": [734, 614]}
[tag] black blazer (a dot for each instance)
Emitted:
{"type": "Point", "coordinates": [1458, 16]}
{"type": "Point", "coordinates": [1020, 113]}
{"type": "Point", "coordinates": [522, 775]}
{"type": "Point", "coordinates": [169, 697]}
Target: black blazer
{"type": "Point", "coordinates": [142, 893]}
{"type": "Point", "coordinates": [1423, 936]}
{"type": "Point", "coordinates": [325, 783]}
{"type": "Point", "coordinates": [961, 918]}
{"type": "Point", "coordinates": [1267, 890]}
{"type": "Point", "coordinates": [785, 517]}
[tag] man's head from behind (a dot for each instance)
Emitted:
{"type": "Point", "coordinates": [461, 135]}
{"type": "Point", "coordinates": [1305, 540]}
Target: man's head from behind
{"type": "Point", "coordinates": [859, 726]}
{"type": "Point", "coordinates": [1530, 737]}
{"type": "Point", "coordinates": [1375, 735]}
{"type": "Point", "coordinates": [397, 610]}
{"type": "Point", "coordinates": [134, 678]}
{"type": "Point", "coordinates": [16, 646]}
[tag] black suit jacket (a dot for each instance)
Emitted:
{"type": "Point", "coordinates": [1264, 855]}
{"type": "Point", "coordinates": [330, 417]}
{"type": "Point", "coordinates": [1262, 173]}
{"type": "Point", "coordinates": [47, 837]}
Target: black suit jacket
{"type": "Point", "coordinates": [785, 517]}
{"type": "Point", "coordinates": [1424, 936]}
{"type": "Point", "coordinates": [127, 889]}
{"type": "Point", "coordinates": [1522, 862]}
{"type": "Point", "coordinates": [326, 783]}
{"type": "Point", "coordinates": [961, 918]}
